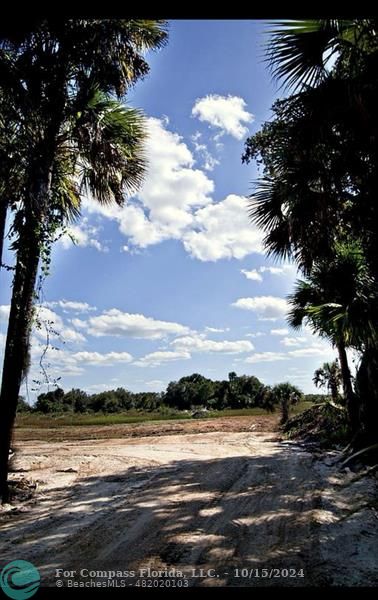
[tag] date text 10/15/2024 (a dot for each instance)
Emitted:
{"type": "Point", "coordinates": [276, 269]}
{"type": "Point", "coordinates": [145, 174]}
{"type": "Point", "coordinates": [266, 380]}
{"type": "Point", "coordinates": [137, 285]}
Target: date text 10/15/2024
{"type": "Point", "coordinates": [151, 573]}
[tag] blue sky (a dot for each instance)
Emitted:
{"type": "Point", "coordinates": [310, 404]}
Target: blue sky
{"type": "Point", "coordinates": [176, 282]}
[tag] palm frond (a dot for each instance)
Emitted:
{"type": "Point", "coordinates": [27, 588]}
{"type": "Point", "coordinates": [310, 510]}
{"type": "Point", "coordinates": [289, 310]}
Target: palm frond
{"type": "Point", "coordinates": [296, 51]}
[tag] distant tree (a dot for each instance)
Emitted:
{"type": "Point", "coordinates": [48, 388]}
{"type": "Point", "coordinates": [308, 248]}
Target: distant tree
{"type": "Point", "coordinates": [286, 395]}
{"type": "Point", "coordinates": [316, 398]}
{"type": "Point", "coordinates": [329, 376]}
{"type": "Point", "coordinates": [105, 402]}
{"type": "Point", "coordinates": [23, 406]}
{"type": "Point", "coordinates": [125, 398]}
{"type": "Point", "coordinates": [51, 402]}
{"type": "Point", "coordinates": [193, 390]}
{"type": "Point", "coordinates": [76, 400]}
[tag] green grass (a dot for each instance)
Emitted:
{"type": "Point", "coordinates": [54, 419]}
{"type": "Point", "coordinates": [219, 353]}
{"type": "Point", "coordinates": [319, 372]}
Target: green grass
{"type": "Point", "coordinates": [132, 416]}
{"type": "Point", "coordinates": [66, 420]}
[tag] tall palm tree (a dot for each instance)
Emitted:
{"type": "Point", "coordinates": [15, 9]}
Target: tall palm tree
{"type": "Point", "coordinates": [334, 301]}
{"type": "Point", "coordinates": [329, 376]}
{"type": "Point", "coordinates": [320, 162]}
{"type": "Point", "coordinates": [61, 76]}
{"type": "Point", "coordinates": [44, 62]}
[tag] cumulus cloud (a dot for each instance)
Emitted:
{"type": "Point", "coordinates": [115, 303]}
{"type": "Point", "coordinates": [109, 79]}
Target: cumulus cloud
{"type": "Point", "coordinates": [70, 305]}
{"type": "Point", "coordinates": [117, 323]}
{"type": "Point", "coordinates": [267, 308]}
{"type": "Point", "coordinates": [62, 362]}
{"type": "Point", "coordinates": [283, 331]}
{"type": "Point", "coordinates": [200, 344]}
{"type": "Point", "coordinates": [48, 322]}
{"type": "Point", "coordinates": [175, 203]}
{"type": "Point", "coordinates": [173, 188]}
{"type": "Point", "coordinates": [102, 359]}
{"type": "Point", "coordinates": [226, 113]}
{"type": "Point", "coordinates": [155, 359]}
{"type": "Point", "coordinates": [83, 234]}
{"type": "Point", "coordinates": [256, 334]}
{"type": "Point", "coordinates": [293, 341]}
{"type": "Point", "coordinates": [223, 230]}
{"type": "Point", "coordinates": [307, 352]}
{"type": "Point", "coordinates": [256, 274]}
{"type": "Point", "coordinates": [253, 274]}
{"type": "Point", "coordinates": [266, 357]}
{"type": "Point", "coordinates": [209, 162]}
{"type": "Point", "coordinates": [216, 329]}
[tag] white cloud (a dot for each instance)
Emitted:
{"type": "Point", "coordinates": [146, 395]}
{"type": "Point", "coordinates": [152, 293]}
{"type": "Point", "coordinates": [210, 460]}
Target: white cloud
{"type": "Point", "coordinates": [200, 344]}
{"type": "Point", "coordinates": [223, 230]}
{"type": "Point", "coordinates": [308, 352]}
{"type": "Point", "coordinates": [267, 308]}
{"type": "Point", "coordinates": [227, 113]}
{"type": "Point", "coordinates": [4, 312]}
{"type": "Point", "coordinates": [70, 305]}
{"type": "Point", "coordinates": [79, 323]}
{"type": "Point", "coordinates": [293, 341]}
{"type": "Point", "coordinates": [266, 357]}
{"type": "Point", "coordinates": [70, 335]}
{"type": "Point", "coordinates": [216, 330]}
{"type": "Point", "coordinates": [279, 331]}
{"type": "Point", "coordinates": [278, 270]}
{"type": "Point", "coordinates": [62, 362]}
{"type": "Point", "coordinates": [155, 359]}
{"type": "Point", "coordinates": [175, 203]}
{"type": "Point", "coordinates": [209, 162]}
{"type": "Point", "coordinates": [48, 323]}
{"type": "Point", "coordinates": [102, 359]}
{"type": "Point", "coordinates": [173, 188]}
{"type": "Point", "coordinates": [253, 274]}
{"type": "Point", "coordinates": [118, 323]}
{"type": "Point", "coordinates": [256, 334]}
{"type": "Point", "coordinates": [82, 234]}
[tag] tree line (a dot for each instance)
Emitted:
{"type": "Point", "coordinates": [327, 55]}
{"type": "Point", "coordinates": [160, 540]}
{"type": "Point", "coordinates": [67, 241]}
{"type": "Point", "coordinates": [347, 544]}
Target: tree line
{"type": "Point", "coordinates": [189, 393]}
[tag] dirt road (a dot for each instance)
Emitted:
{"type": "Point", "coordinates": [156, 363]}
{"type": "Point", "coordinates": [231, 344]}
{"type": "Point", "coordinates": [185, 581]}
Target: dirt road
{"type": "Point", "coordinates": [220, 501]}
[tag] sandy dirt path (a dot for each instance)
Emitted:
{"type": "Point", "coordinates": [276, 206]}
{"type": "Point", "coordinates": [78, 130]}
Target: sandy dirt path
{"type": "Point", "coordinates": [220, 501]}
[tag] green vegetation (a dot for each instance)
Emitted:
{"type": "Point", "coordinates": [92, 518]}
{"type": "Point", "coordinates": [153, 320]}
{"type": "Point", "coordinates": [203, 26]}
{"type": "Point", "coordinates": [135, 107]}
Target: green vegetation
{"type": "Point", "coordinates": [317, 198]}
{"type": "Point", "coordinates": [64, 133]}
{"type": "Point", "coordinates": [190, 394]}
{"type": "Point", "coordinates": [324, 424]}
{"type": "Point", "coordinates": [52, 421]}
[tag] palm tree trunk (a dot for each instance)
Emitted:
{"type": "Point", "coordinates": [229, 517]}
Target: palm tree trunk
{"type": "Point", "coordinates": [17, 343]}
{"type": "Point", "coordinates": [3, 217]}
{"type": "Point", "coordinates": [367, 389]}
{"type": "Point", "coordinates": [350, 397]}
{"type": "Point", "coordinates": [284, 411]}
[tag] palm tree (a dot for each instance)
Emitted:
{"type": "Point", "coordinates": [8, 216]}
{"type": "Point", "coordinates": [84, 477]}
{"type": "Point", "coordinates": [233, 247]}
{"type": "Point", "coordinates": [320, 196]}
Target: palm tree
{"type": "Point", "coordinates": [335, 301]}
{"type": "Point", "coordinates": [329, 376]}
{"type": "Point", "coordinates": [47, 66]}
{"type": "Point", "coordinates": [74, 137]}
{"type": "Point", "coordinates": [301, 53]}
{"type": "Point", "coordinates": [319, 153]}
{"type": "Point", "coordinates": [286, 395]}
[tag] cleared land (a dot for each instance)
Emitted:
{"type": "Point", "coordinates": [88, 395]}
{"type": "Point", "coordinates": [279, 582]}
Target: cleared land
{"type": "Point", "coordinates": [221, 494]}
